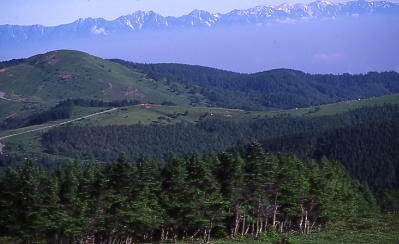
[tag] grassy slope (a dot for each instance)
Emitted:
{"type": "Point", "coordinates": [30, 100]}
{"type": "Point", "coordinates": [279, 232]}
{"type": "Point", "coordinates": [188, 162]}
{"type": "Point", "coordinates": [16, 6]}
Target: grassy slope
{"type": "Point", "coordinates": [65, 74]}
{"type": "Point", "coordinates": [151, 113]}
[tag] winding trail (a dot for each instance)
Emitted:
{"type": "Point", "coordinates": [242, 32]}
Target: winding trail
{"type": "Point", "coordinates": [50, 126]}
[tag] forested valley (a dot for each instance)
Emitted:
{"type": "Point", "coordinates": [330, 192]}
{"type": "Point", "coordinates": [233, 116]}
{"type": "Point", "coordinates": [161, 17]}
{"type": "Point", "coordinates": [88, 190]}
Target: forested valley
{"type": "Point", "coordinates": [274, 89]}
{"type": "Point", "coordinates": [162, 167]}
{"type": "Point", "coordinates": [247, 193]}
{"type": "Point", "coordinates": [270, 180]}
{"type": "Point", "coordinates": [365, 140]}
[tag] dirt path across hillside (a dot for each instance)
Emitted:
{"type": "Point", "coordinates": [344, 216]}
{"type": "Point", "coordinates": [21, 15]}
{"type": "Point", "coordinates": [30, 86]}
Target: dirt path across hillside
{"type": "Point", "coordinates": [50, 126]}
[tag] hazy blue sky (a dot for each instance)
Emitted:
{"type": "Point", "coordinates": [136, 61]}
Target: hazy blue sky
{"type": "Point", "coordinates": [355, 46]}
{"type": "Point", "coordinates": [55, 12]}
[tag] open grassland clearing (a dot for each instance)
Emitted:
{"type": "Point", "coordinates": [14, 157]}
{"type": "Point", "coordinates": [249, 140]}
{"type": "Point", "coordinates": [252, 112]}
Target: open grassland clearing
{"type": "Point", "coordinates": [150, 113]}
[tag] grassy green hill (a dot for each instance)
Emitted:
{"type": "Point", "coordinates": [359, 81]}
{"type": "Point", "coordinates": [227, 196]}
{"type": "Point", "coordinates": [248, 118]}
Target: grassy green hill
{"type": "Point", "coordinates": [29, 86]}
{"type": "Point", "coordinates": [70, 74]}
{"type": "Point", "coordinates": [39, 82]}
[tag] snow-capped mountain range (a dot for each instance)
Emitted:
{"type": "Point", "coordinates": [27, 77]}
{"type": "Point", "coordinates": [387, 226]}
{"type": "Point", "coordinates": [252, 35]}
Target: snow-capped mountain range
{"type": "Point", "coordinates": [140, 20]}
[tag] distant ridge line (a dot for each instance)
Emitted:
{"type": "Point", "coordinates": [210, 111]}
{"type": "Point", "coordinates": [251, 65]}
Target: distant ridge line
{"type": "Point", "coordinates": [142, 20]}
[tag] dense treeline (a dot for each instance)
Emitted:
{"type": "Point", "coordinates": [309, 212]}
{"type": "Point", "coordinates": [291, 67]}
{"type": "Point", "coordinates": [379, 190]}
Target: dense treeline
{"type": "Point", "coordinates": [64, 109]}
{"type": "Point", "coordinates": [365, 140]}
{"type": "Point", "coordinates": [370, 152]}
{"type": "Point", "coordinates": [4, 64]}
{"type": "Point", "coordinates": [231, 195]}
{"type": "Point", "coordinates": [101, 103]}
{"type": "Point", "coordinates": [281, 88]}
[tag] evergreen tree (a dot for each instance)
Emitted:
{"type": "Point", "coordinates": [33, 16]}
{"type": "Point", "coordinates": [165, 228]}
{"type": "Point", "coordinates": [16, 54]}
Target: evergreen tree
{"type": "Point", "coordinates": [22, 203]}
{"type": "Point", "coordinates": [176, 198]}
{"type": "Point", "coordinates": [293, 191]}
{"type": "Point", "coordinates": [259, 179]}
{"type": "Point", "coordinates": [207, 206]}
{"type": "Point", "coordinates": [73, 208]}
{"type": "Point", "coordinates": [120, 190]}
{"type": "Point", "coordinates": [231, 177]}
{"type": "Point", "coordinates": [335, 194]}
{"type": "Point", "coordinates": [149, 214]}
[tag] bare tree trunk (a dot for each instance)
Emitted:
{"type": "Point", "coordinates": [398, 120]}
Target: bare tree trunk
{"type": "Point", "coordinates": [167, 234]}
{"type": "Point", "coordinates": [300, 224]}
{"type": "Point", "coordinates": [243, 226]}
{"type": "Point", "coordinates": [237, 222]}
{"type": "Point", "coordinates": [174, 235]}
{"type": "Point", "coordinates": [208, 237]}
{"type": "Point", "coordinates": [266, 220]}
{"type": "Point", "coordinates": [205, 235]}
{"type": "Point", "coordinates": [232, 230]}
{"type": "Point", "coordinates": [306, 227]}
{"type": "Point", "coordinates": [275, 211]}
{"type": "Point", "coordinates": [252, 228]}
{"type": "Point", "coordinates": [162, 234]}
{"type": "Point", "coordinates": [196, 233]}
{"type": "Point", "coordinates": [247, 229]}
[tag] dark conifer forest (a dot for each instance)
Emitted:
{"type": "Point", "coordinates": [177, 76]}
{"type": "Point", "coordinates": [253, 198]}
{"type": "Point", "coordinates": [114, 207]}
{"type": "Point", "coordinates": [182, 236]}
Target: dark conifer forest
{"type": "Point", "coordinates": [274, 89]}
{"type": "Point", "coordinates": [261, 179]}
{"type": "Point", "coordinates": [193, 198]}
{"type": "Point", "coordinates": [364, 140]}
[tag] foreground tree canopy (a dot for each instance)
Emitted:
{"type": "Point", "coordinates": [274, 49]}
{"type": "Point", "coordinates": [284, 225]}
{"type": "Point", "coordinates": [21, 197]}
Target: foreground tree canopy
{"type": "Point", "coordinates": [233, 194]}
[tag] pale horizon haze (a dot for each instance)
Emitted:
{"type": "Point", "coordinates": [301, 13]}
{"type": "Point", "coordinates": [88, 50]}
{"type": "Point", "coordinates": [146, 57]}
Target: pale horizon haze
{"type": "Point", "coordinates": [52, 13]}
{"type": "Point", "coordinates": [352, 45]}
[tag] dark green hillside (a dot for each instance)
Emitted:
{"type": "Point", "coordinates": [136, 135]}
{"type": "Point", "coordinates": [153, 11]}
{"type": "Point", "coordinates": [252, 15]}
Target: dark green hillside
{"type": "Point", "coordinates": [370, 151]}
{"type": "Point", "coordinates": [71, 74]}
{"type": "Point", "coordinates": [364, 139]}
{"type": "Point", "coordinates": [275, 89]}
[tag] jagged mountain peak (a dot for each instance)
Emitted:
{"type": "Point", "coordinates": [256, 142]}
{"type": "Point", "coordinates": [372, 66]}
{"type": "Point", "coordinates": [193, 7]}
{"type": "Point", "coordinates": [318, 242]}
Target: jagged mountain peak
{"type": "Point", "coordinates": [286, 7]}
{"type": "Point", "coordinates": [150, 20]}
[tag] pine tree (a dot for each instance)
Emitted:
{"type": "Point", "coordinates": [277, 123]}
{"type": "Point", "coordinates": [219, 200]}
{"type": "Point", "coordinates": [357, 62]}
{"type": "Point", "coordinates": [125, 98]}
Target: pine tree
{"type": "Point", "coordinates": [259, 180]}
{"type": "Point", "coordinates": [52, 208]}
{"type": "Point", "coordinates": [120, 189]}
{"type": "Point", "coordinates": [335, 193]}
{"type": "Point", "coordinates": [293, 186]}
{"type": "Point", "coordinates": [146, 204]}
{"type": "Point", "coordinates": [91, 191]}
{"type": "Point", "coordinates": [231, 177]}
{"type": "Point", "coordinates": [207, 205]}
{"type": "Point", "coordinates": [73, 208]}
{"type": "Point", "coordinates": [22, 203]}
{"type": "Point", "coordinates": [176, 197]}
{"type": "Point", "coordinates": [9, 211]}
